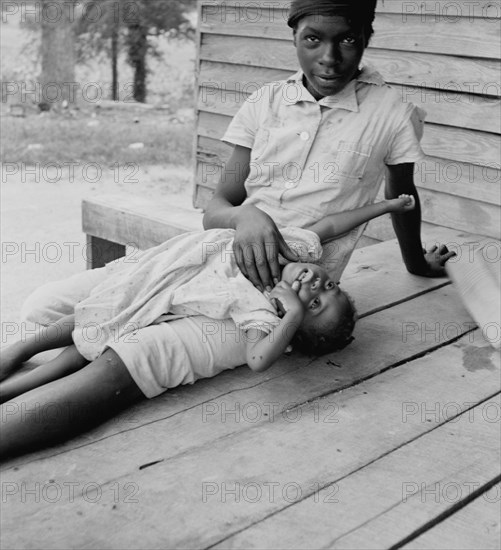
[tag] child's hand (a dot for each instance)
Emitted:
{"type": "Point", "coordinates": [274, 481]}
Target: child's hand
{"type": "Point", "coordinates": [285, 299]}
{"type": "Point", "coordinates": [404, 203]}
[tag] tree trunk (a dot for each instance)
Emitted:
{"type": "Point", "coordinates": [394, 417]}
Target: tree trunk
{"type": "Point", "coordinates": [138, 48]}
{"type": "Point", "coordinates": [57, 79]}
{"type": "Point", "coordinates": [114, 63]}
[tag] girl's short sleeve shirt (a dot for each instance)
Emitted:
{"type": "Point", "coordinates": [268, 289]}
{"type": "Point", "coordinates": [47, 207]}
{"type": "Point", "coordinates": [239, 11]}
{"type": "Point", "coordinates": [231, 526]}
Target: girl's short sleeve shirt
{"type": "Point", "coordinates": [312, 158]}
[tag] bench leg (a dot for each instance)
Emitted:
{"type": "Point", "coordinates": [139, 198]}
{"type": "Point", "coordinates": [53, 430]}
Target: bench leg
{"type": "Point", "coordinates": [100, 252]}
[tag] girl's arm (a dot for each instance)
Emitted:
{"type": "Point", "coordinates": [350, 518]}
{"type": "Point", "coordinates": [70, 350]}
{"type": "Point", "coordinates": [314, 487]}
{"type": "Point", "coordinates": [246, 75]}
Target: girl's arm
{"type": "Point", "coordinates": [257, 240]}
{"type": "Point", "coordinates": [335, 225]}
{"type": "Point", "coordinates": [263, 352]}
{"type": "Point", "coordinates": [400, 177]}
{"type": "Point", "coordinates": [223, 210]}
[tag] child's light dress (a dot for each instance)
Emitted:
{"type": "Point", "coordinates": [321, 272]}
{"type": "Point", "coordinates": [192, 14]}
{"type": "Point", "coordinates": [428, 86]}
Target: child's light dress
{"type": "Point", "coordinates": [189, 275]}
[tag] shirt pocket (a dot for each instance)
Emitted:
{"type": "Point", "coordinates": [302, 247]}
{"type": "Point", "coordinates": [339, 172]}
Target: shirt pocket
{"type": "Point", "coordinates": [352, 158]}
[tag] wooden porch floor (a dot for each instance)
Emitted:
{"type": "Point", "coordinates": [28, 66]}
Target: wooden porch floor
{"type": "Point", "coordinates": [393, 442]}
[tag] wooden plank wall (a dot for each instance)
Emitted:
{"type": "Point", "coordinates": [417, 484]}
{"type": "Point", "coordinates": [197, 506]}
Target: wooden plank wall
{"type": "Point", "coordinates": [442, 56]}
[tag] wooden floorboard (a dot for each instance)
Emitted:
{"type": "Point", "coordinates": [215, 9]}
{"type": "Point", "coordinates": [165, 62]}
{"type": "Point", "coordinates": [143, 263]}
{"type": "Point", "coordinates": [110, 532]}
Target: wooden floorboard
{"type": "Point", "coordinates": [171, 510]}
{"type": "Point", "coordinates": [391, 337]}
{"type": "Point", "coordinates": [364, 284]}
{"type": "Point", "coordinates": [377, 278]}
{"type": "Point", "coordinates": [159, 469]}
{"type": "Point", "coordinates": [380, 504]}
{"type": "Point", "coordinates": [477, 525]}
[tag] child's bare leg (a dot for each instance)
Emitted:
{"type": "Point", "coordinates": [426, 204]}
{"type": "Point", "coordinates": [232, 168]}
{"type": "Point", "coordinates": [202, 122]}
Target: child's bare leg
{"type": "Point", "coordinates": [77, 402]}
{"type": "Point", "coordinates": [67, 362]}
{"type": "Point", "coordinates": [54, 336]}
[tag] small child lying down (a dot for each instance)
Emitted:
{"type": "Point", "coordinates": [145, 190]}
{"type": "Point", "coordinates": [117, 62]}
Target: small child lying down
{"type": "Point", "coordinates": [183, 311]}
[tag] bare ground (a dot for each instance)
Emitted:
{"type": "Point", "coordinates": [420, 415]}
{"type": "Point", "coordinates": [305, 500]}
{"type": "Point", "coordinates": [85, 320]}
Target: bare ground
{"type": "Point", "coordinates": [41, 234]}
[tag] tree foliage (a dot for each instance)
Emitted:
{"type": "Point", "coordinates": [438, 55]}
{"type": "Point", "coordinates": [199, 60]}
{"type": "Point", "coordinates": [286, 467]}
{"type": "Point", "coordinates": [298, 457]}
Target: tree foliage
{"type": "Point", "coordinates": [108, 25]}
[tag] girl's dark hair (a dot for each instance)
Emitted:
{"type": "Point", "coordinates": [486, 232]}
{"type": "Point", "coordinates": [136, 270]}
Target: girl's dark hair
{"type": "Point", "coordinates": [360, 13]}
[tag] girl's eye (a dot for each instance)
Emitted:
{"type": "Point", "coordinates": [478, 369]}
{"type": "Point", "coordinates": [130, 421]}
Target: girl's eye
{"type": "Point", "coordinates": [349, 40]}
{"type": "Point", "coordinates": [315, 303]}
{"type": "Point", "coordinates": [311, 38]}
{"type": "Point", "coordinates": [329, 285]}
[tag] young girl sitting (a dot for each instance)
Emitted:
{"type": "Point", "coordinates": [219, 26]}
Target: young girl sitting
{"type": "Point", "coordinates": [145, 321]}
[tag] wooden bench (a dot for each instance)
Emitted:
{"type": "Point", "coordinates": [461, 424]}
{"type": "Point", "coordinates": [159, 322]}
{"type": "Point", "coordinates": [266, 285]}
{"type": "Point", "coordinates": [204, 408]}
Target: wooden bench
{"type": "Point", "coordinates": [113, 223]}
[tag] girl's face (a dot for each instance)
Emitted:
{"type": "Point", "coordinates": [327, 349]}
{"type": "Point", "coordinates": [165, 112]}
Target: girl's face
{"type": "Point", "coordinates": [322, 298]}
{"type": "Point", "coordinates": [329, 52]}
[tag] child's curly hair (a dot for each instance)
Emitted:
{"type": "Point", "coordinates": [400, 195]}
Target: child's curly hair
{"type": "Point", "coordinates": [329, 337]}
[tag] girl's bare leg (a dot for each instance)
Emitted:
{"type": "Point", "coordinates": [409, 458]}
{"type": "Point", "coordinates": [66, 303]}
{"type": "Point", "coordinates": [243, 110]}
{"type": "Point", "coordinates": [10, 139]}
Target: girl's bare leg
{"type": "Point", "coordinates": [59, 410]}
{"type": "Point", "coordinates": [67, 362]}
{"type": "Point", "coordinates": [55, 336]}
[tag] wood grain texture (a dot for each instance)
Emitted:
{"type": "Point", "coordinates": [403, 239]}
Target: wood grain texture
{"type": "Point", "coordinates": [451, 76]}
{"type": "Point", "coordinates": [460, 8]}
{"type": "Point", "coordinates": [441, 209]}
{"type": "Point", "coordinates": [479, 183]}
{"type": "Point", "coordinates": [272, 450]}
{"type": "Point", "coordinates": [380, 504]}
{"type": "Point", "coordinates": [466, 74]}
{"type": "Point", "coordinates": [469, 37]}
{"type": "Point", "coordinates": [463, 37]}
{"type": "Point", "coordinates": [136, 222]}
{"type": "Point", "coordinates": [487, 9]}
{"type": "Point", "coordinates": [457, 532]}
{"type": "Point", "coordinates": [462, 145]}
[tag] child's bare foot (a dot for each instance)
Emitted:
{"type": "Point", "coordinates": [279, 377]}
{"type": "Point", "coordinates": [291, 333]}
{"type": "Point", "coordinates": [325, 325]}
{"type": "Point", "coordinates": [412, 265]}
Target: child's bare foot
{"type": "Point", "coordinates": [11, 358]}
{"type": "Point", "coordinates": [404, 203]}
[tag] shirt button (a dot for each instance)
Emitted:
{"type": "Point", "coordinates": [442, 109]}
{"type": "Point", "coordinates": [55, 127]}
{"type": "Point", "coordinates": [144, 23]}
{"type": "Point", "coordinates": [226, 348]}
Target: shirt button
{"type": "Point", "coordinates": [305, 136]}
{"type": "Point", "coordinates": [290, 185]}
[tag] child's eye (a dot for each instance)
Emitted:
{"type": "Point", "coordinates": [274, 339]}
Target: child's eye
{"type": "Point", "coordinates": [311, 38]}
{"type": "Point", "coordinates": [329, 285]}
{"type": "Point", "coordinates": [351, 40]}
{"type": "Point", "coordinates": [315, 303]}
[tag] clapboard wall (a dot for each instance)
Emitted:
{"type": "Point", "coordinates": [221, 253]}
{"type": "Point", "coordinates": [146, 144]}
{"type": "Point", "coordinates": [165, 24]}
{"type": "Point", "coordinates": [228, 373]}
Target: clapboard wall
{"type": "Point", "coordinates": [442, 56]}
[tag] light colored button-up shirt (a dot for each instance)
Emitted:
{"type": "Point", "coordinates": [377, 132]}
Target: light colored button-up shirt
{"type": "Point", "coordinates": [312, 158]}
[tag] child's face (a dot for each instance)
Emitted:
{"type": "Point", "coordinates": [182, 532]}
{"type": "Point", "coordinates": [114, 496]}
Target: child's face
{"type": "Point", "coordinates": [329, 52]}
{"type": "Point", "coordinates": [323, 300]}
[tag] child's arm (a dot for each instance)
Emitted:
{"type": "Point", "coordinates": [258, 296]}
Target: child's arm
{"type": "Point", "coordinates": [263, 353]}
{"type": "Point", "coordinates": [338, 224]}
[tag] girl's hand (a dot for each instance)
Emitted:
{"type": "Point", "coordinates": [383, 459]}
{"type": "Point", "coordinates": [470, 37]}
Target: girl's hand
{"type": "Point", "coordinates": [436, 257]}
{"type": "Point", "coordinates": [404, 203]}
{"type": "Point", "coordinates": [285, 298]}
{"type": "Point", "coordinates": [256, 246]}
